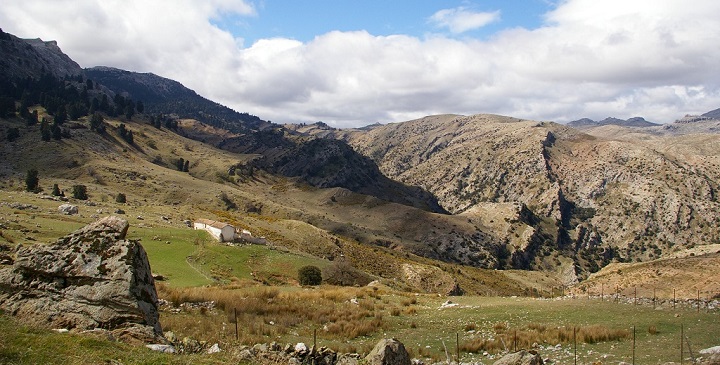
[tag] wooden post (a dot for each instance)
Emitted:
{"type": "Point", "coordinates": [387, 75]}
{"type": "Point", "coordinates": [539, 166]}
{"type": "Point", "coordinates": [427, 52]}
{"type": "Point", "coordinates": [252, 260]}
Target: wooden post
{"type": "Point", "coordinates": [617, 293]}
{"type": "Point", "coordinates": [602, 292]}
{"type": "Point", "coordinates": [457, 346]}
{"type": "Point", "coordinates": [635, 295]}
{"type": "Point", "coordinates": [633, 348]}
{"type": "Point", "coordinates": [673, 298]}
{"type": "Point", "coordinates": [315, 338]}
{"type": "Point", "coordinates": [698, 308]}
{"type": "Point", "coordinates": [681, 343]}
{"type": "Point", "coordinates": [237, 336]}
{"type": "Point", "coordinates": [515, 341]}
{"type": "Point", "coordinates": [575, 342]}
{"type": "Point", "coordinates": [654, 298]}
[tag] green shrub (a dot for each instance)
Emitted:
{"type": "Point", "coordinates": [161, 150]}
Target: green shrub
{"type": "Point", "coordinates": [310, 275]}
{"type": "Point", "coordinates": [120, 198]}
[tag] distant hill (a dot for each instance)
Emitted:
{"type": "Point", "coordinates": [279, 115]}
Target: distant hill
{"type": "Point", "coordinates": [164, 96]}
{"type": "Point", "coordinates": [632, 122]}
{"type": "Point", "coordinates": [715, 114]}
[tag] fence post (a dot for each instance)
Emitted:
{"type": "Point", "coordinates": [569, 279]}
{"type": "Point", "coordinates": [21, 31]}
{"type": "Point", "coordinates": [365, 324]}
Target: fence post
{"type": "Point", "coordinates": [315, 338]}
{"type": "Point", "coordinates": [237, 336]}
{"type": "Point", "coordinates": [633, 348]}
{"type": "Point", "coordinates": [575, 343]}
{"type": "Point", "coordinates": [635, 295]}
{"type": "Point", "coordinates": [673, 298]}
{"type": "Point", "coordinates": [602, 292]}
{"type": "Point", "coordinates": [457, 346]}
{"type": "Point", "coordinates": [698, 308]}
{"type": "Point", "coordinates": [681, 343]}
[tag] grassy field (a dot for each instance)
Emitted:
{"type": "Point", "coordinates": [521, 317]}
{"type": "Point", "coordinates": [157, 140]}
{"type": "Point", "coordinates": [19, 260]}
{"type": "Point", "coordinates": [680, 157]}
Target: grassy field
{"type": "Point", "coordinates": [419, 321]}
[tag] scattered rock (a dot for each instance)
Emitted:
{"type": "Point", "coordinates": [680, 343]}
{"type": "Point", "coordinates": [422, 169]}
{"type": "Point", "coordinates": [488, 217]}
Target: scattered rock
{"type": "Point", "coordinates": [119, 211]}
{"type": "Point", "coordinates": [711, 350]}
{"type": "Point", "coordinates": [92, 278]}
{"type": "Point", "coordinates": [521, 357]}
{"type": "Point", "coordinates": [68, 209]}
{"type": "Point", "coordinates": [448, 304]}
{"type": "Point", "coordinates": [168, 349]}
{"type": "Point", "coordinates": [214, 349]}
{"type": "Point", "coordinates": [388, 352]}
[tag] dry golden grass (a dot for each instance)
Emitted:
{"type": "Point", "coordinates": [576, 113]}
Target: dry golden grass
{"type": "Point", "coordinates": [534, 334]}
{"type": "Point", "coordinates": [269, 312]}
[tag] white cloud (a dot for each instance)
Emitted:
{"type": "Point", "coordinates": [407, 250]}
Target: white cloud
{"type": "Point", "coordinates": [460, 20]}
{"type": "Point", "coordinates": [591, 59]}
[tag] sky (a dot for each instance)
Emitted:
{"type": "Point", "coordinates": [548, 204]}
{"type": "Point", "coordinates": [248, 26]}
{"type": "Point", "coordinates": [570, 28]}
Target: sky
{"type": "Point", "coordinates": [352, 63]}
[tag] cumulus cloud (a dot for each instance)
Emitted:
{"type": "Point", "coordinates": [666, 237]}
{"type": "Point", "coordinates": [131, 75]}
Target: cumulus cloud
{"type": "Point", "coordinates": [589, 59]}
{"type": "Point", "coordinates": [460, 20]}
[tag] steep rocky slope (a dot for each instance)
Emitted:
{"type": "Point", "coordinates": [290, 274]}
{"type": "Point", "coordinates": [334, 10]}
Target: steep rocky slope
{"type": "Point", "coordinates": [589, 198]}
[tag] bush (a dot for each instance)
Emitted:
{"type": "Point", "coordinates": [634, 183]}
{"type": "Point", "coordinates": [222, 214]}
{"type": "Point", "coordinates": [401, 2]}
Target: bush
{"type": "Point", "coordinates": [120, 198]}
{"type": "Point", "coordinates": [310, 275]}
{"type": "Point", "coordinates": [343, 273]}
{"type": "Point", "coordinates": [80, 192]}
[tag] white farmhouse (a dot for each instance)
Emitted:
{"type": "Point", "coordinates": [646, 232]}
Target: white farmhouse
{"type": "Point", "coordinates": [223, 232]}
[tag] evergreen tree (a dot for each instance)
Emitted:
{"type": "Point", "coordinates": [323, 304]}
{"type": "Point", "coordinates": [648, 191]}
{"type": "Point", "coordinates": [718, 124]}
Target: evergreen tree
{"type": "Point", "coordinates": [80, 192]}
{"type": "Point", "coordinates": [186, 167]}
{"type": "Point", "coordinates": [97, 123]}
{"type": "Point", "coordinates": [60, 116]}
{"type": "Point", "coordinates": [140, 107]}
{"type": "Point", "coordinates": [32, 181]}
{"type": "Point", "coordinates": [45, 130]}
{"type": "Point", "coordinates": [56, 131]}
{"type": "Point", "coordinates": [179, 164]}
{"type": "Point", "coordinates": [32, 118]}
{"type": "Point", "coordinates": [120, 198]}
{"type": "Point", "coordinates": [56, 190]}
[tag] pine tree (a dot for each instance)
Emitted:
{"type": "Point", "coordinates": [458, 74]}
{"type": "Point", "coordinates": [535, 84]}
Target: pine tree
{"type": "Point", "coordinates": [45, 130]}
{"type": "Point", "coordinates": [80, 192]}
{"type": "Point", "coordinates": [32, 181]}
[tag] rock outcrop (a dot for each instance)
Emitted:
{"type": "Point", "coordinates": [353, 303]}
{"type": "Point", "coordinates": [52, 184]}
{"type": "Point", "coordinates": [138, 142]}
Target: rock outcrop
{"type": "Point", "coordinates": [92, 278]}
{"type": "Point", "coordinates": [521, 357]}
{"type": "Point", "coordinates": [388, 352]}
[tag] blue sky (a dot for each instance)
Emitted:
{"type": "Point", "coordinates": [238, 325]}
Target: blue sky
{"type": "Point", "coordinates": [304, 20]}
{"type": "Point", "coordinates": [353, 63]}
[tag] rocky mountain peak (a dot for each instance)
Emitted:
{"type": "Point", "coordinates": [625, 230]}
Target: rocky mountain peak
{"type": "Point", "coordinates": [21, 58]}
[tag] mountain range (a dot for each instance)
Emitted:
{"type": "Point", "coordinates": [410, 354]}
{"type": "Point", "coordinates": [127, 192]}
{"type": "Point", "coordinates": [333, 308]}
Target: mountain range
{"type": "Point", "coordinates": [483, 191]}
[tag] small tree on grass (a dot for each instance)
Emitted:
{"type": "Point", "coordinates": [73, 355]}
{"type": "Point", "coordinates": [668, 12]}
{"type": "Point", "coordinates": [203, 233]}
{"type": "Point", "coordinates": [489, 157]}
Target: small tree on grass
{"type": "Point", "coordinates": [56, 190]}
{"type": "Point", "coordinates": [310, 275]}
{"type": "Point", "coordinates": [80, 192]}
{"type": "Point", "coordinates": [32, 181]}
{"type": "Point", "coordinates": [120, 198]}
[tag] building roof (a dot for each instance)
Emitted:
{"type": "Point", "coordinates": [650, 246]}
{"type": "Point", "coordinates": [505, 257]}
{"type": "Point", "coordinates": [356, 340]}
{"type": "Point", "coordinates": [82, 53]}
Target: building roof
{"type": "Point", "coordinates": [211, 223]}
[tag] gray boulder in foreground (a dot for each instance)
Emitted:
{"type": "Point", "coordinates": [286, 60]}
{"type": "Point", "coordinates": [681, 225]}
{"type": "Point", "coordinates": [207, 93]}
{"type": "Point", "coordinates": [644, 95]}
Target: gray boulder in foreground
{"type": "Point", "coordinates": [92, 278]}
{"type": "Point", "coordinates": [388, 352]}
{"type": "Point", "coordinates": [521, 357]}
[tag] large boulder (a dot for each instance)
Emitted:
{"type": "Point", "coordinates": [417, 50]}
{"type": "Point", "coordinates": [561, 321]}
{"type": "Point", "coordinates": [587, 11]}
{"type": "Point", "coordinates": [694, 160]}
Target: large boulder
{"type": "Point", "coordinates": [68, 209]}
{"type": "Point", "coordinates": [521, 357]}
{"type": "Point", "coordinates": [92, 278]}
{"type": "Point", "coordinates": [388, 352]}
